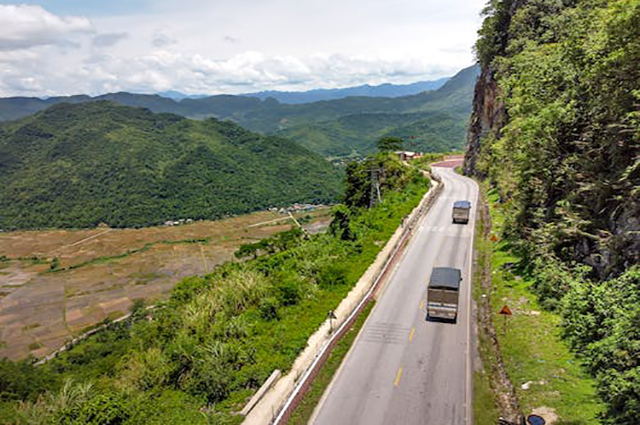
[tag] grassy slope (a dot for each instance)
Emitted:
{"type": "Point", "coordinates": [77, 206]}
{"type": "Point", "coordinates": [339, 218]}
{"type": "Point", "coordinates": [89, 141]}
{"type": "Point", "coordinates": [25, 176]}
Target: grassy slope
{"type": "Point", "coordinates": [213, 344]}
{"type": "Point", "coordinates": [532, 347]}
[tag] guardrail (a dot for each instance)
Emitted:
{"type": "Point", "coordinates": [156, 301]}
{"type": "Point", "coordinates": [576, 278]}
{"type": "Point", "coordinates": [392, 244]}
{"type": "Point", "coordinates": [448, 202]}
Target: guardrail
{"type": "Point", "coordinates": [302, 385]}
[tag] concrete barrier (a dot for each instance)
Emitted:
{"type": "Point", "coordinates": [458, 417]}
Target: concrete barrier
{"type": "Point", "coordinates": [277, 404]}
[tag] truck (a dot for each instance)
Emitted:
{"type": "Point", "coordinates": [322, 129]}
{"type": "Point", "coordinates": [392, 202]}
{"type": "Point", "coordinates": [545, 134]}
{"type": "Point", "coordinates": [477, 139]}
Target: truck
{"type": "Point", "coordinates": [442, 293]}
{"type": "Point", "coordinates": [461, 211]}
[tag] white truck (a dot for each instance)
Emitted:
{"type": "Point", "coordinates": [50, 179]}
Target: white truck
{"type": "Point", "coordinates": [443, 293]}
{"type": "Point", "coordinates": [461, 212]}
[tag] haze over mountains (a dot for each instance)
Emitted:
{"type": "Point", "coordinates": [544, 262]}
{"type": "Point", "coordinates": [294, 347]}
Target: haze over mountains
{"type": "Point", "coordinates": [382, 90]}
{"type": "Point", "coordinates": [317, 95]}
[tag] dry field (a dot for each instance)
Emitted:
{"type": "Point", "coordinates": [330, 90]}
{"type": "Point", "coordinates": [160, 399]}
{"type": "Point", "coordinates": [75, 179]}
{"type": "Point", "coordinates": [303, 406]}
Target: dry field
{"type": "Point", "coordinates": [105, 270]}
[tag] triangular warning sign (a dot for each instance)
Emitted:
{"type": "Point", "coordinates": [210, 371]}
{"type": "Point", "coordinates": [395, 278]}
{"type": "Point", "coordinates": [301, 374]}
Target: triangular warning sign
{"type": "Point", "coordinates": [506, 311]}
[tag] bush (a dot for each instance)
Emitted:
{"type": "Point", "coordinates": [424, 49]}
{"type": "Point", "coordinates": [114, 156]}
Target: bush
{"type": "Point", "coordinates": [269, 308]}
{"type": "Point", "coordinates": [104, 409]}
{"type": "Point", "coordinates": [333, 275]}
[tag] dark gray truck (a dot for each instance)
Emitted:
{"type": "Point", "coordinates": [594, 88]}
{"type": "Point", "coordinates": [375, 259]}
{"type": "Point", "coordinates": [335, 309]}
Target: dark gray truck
{"type": "Point", "coordinates": [461, 212]}
{"type": "Point", "coordinates": [443, 293]}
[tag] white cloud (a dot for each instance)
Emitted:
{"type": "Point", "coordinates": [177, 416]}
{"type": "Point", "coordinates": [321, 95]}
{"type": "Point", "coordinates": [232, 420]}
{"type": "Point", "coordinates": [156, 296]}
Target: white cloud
{"type": "Point", "coordinates": [107, 40]}
{"type": "Point", "coordinates": [160, 39]}
{"type": "Point", "coordinates": [236, 46]}
{"type": "Point", "coordinates": [23, 26]}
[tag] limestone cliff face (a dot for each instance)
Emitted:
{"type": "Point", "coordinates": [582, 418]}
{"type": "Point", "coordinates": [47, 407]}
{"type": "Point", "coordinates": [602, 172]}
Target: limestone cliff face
{"type": "Point", "coordinates": [488, 115]}
{"type": "Point", "coordinates": [610, 242]}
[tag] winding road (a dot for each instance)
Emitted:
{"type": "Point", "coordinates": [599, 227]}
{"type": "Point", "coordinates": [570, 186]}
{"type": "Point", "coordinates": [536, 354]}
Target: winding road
{"type": "Point", "coordinates": [403, 369]}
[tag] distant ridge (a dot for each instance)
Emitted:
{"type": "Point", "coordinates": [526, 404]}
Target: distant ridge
{"type": "Point", "coordinates": [430, 120]}
{"type": "Point", "coordinates": [383, 90]}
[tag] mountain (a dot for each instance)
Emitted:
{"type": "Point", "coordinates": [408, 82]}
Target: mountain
{"type": "Point", "coordinates": [269, 116]}
{"type": "Point", "coordinates": [176, 95]}
{"type": "Point", "coordinates": [383, 90]}
{"type": "Point", "coordinates": [431, 122]}
{"type": "Point", "coordinates": [77, 165]}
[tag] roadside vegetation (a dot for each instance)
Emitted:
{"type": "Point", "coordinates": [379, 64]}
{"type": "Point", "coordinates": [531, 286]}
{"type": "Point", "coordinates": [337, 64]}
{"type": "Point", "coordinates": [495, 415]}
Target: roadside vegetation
{"type": "Point", "coordinates": [199, 356]}
{"type": "Point", "coordinates": [539, 363]}
{"type": "Point", "coordinates": [561, 159]}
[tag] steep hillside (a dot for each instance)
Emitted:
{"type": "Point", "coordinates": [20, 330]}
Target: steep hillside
{"type": "Point", "coordinates": [555, 129]}
{"type": "Point", "coordinates": [357, 134]}
{"type": "Point", "coordinates": [80, 165]}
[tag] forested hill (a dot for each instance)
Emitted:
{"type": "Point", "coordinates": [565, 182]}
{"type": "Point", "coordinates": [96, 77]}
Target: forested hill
{"type": "Point", "coordinates": [80, 165]}
{"type": "Point", "coordinates": [555, 128]}
{"type": "Point", "coordinates": [332, 128]}
{"type": "Point", "coordinates": [434, 121]}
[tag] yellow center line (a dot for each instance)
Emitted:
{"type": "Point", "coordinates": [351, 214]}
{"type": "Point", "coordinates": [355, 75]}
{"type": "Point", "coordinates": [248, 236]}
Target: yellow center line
{"type": "Point", "coordinates": [413, 331]}
{"type": "Point", "coordinates": [397, 381]}
{"type": "Point", "coordinates": [421, 304]}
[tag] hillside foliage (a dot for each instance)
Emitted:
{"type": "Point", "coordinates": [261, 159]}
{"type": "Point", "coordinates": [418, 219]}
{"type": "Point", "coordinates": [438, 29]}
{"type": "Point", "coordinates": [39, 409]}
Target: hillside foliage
{"type": "Point", "coordinates": [567, 168]}
{"type": "Point", "coordinates": [197, 357]}
{"type": "Point", "coordinates": [85, 164]}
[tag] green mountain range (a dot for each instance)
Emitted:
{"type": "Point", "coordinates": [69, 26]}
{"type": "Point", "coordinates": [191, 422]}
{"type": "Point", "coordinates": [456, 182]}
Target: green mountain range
{"type": "Point", "coordinates": [432, 120]}
{"type": "Point", "coordinates": [80, 165]}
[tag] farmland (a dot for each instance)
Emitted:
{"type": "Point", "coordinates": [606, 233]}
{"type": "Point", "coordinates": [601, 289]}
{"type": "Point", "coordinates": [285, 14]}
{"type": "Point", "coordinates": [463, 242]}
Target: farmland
{"type": "Point", "coordinates": [55, 284]}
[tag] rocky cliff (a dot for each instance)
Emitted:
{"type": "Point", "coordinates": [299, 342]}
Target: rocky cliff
{"type": "Point", "coordinates": [488, 116]}
{"type": "Point", "coordinates": [553, 126]}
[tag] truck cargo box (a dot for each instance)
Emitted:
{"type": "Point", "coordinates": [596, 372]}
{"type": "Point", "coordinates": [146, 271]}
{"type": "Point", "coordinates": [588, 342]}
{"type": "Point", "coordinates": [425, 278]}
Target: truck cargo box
{"type": "Point", "coordinates": [443, 293]}
{"type": "Point", "coordinates": [461, 212]}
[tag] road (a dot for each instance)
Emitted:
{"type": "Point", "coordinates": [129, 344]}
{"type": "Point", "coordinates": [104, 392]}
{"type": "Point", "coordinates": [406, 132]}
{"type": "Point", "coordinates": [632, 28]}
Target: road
{"type": "Point", "coordinates": [403, 369]}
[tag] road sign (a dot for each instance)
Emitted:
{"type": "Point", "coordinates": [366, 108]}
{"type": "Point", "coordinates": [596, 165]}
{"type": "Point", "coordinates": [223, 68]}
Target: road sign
{"type": "Point", "coordinates": [506, 311]}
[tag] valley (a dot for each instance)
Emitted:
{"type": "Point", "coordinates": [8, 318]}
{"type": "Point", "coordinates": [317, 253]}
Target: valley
{"type": "Point", "coordinates": [100, 273]}
{"type": "Point", "coordinates": [320, 249]}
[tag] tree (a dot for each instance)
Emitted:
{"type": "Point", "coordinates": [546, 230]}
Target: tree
{"type": "Point", "coordinates": [340, 225]}
{"type": "Point", "coordinates": [390, 144]}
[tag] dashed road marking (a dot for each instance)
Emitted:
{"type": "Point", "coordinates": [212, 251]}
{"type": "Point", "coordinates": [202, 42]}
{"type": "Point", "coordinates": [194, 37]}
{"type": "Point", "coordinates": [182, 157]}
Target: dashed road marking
{"type": "Point", "coordinates": [398, 375]}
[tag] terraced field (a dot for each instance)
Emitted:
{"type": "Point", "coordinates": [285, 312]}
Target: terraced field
{"type": "Point", "coordinates": [99, 273]}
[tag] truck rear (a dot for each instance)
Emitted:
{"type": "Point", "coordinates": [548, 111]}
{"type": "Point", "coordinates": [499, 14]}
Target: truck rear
{"type": "Point", "coordinates": [443, 293]}
{"type": "Point", "coordinates": [461, 212]}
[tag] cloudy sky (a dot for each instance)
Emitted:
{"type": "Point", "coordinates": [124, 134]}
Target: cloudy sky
{"type": "Point", "coordinates": [62, 47]}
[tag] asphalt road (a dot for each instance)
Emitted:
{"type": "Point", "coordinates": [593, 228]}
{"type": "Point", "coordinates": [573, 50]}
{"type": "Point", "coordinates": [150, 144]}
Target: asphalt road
{"type": "Point", "coordinates": [403, 369]}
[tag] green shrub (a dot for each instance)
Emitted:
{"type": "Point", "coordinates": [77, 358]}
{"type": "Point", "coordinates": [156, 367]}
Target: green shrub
{"type": "Point", "coordinates": [269, 308]}
{"type": "Point", "coordinates": [335, 274]}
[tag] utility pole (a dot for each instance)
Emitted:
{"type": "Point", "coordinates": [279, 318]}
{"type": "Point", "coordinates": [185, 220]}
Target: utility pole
{"type": "Point", "coordinates": [374, 196]}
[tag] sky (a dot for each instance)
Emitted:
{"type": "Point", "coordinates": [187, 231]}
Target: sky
{"type": "Point", "coordinates": [65, 47]}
